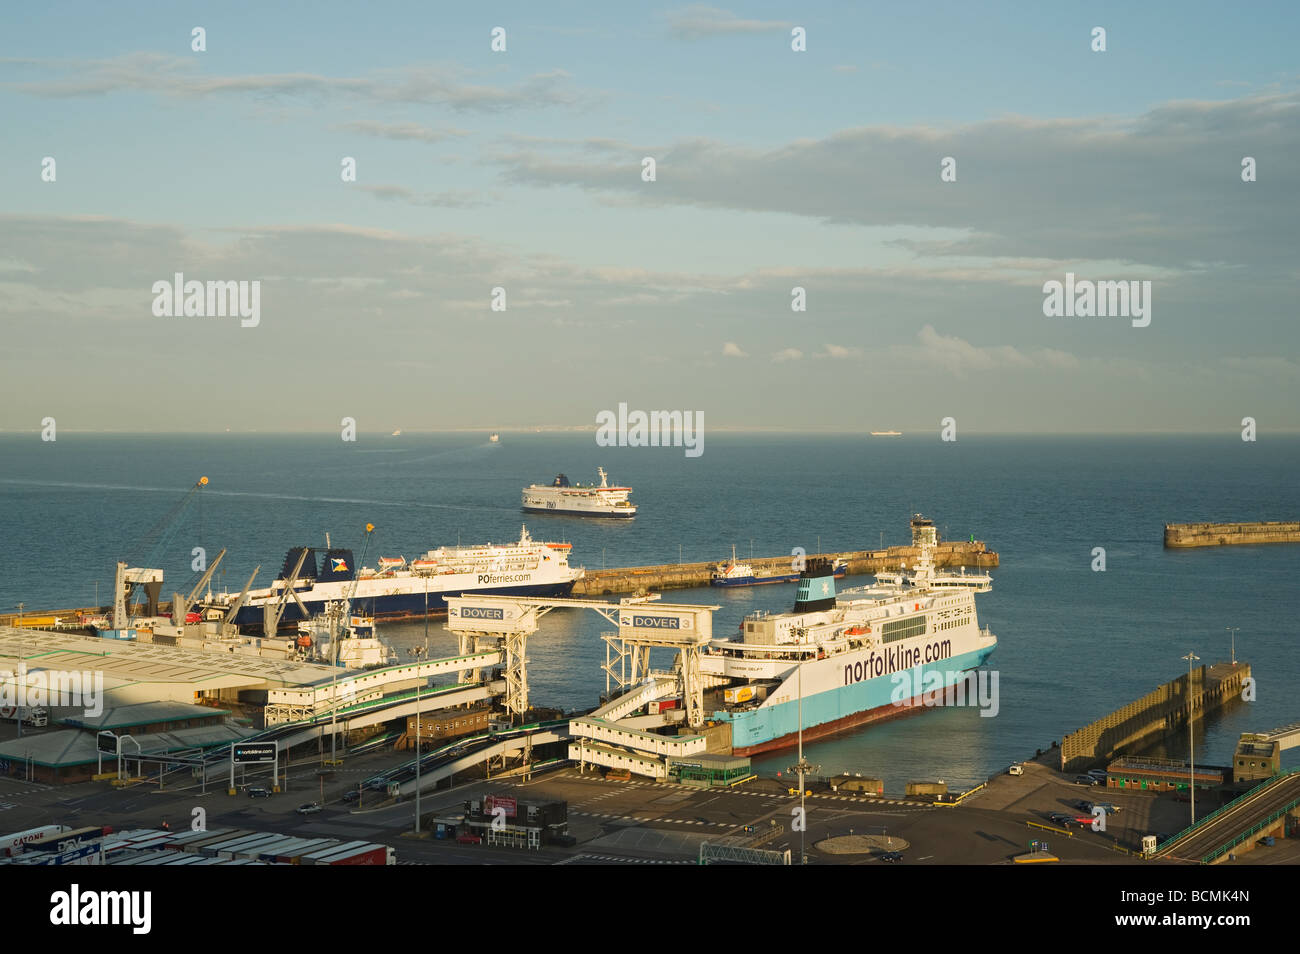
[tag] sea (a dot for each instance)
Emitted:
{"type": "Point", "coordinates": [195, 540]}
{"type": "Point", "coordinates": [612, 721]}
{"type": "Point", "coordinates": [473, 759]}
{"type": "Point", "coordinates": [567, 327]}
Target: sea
{"type": "Point", "coordinates": [1075, 642]}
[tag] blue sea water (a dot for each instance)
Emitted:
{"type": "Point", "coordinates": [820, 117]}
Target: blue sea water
{"type": "Point", "coordinates": [1074, 643]}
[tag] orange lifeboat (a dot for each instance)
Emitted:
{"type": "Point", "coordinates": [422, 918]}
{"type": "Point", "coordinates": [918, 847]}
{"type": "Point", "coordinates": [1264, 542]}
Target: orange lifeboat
{"type": "Point", "coordinates": [857, 631]}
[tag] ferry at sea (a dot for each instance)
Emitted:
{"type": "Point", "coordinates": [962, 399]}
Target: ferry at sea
{"type": "Point", "coordinates": [588, 501]}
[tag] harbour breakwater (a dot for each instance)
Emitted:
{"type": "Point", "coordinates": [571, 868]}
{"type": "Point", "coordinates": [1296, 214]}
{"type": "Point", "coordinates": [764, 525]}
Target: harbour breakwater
{"type": "Point", "coordinates": [1157, 715]}
{"type": "Point", "coordinates": [1230, 534]}
{"type": "Point", "coordinates": [633, 579]}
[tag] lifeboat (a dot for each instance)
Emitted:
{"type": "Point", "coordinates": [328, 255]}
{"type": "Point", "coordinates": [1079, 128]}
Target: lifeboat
{"type": "Point", "coordinates": [304, 641]}
{"type": "Point", "coordinates": [425, 565]}
{"type": "Point", "coordinates": [391, 563]}
{"type": "Point", "coordinates": [857, 631]}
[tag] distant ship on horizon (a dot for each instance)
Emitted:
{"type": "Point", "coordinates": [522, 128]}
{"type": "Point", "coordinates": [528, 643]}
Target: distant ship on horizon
{"type": "Point", "coordinates": [886, 433]}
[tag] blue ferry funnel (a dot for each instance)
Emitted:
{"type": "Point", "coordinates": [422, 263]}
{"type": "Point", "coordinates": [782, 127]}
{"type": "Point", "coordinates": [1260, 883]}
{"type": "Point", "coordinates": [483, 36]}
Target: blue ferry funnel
{"type": "Point", "coordinates": [816, 587]}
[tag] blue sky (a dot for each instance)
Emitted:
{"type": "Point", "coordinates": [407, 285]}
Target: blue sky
{"type": "Point", "coordinates": [775, 168]}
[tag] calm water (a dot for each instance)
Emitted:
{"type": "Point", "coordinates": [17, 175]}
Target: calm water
{"type": "Point", "coordinates": [1074, 643]}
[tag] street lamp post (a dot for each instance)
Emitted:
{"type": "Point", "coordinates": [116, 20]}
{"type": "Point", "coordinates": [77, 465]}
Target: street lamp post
{"type": "Point", "coordinates": [1191, 722]}
{"type": "Point", "coordinates": [802, 767]}
{"type": "Point", "coordinates": [418, 652]}
{"type": "Point", "coordinates": [1234, 630]}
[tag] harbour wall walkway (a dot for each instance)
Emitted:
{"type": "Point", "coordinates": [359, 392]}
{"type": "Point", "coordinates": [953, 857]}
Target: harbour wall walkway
{"type": "Point", "coordinates": [632, 579]}
{"type": "Point", "coordinates": [1230, 534]}
{"type": "Point", "coordinates": [1155, 716]}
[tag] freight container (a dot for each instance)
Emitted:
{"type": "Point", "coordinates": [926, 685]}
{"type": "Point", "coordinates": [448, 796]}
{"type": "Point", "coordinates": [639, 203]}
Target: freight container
{"type": "Point", "coordinates": [290, 853]}
{"type": "Point", "coordinates": [254, 850]}
{"type": "Point", "coordinates": [212, 846]}
{"type": "Point", "coordinates": [193, 841]}
{"type": "Point", "coordinates": [318, 857]}
{"type": "Point", "coordinates": [12, 844]}
{"type": "Point", "coordinates": [232, 849]}
{"type": "Point", "coordinates": [663, 705]}
{"type": "Point", "coordinates": [371, 855]}
{"type": "Point", "coordinates": [738, 694]}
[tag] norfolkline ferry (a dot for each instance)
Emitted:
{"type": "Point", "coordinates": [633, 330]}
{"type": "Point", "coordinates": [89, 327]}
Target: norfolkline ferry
{"type": "Point", "coordinates": [401, 589]}
{"type": "Point", "coordinates": [845, 663]}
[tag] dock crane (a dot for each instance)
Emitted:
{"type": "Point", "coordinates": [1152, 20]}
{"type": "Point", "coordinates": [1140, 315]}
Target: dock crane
{"type": "Point", "coordinates": [127, 578]}
{"type": "Point", "coordinates": [335, 625]}
{"type": "Point", "coordinates": [341, 615]}
{"type": "Point", "coordinates": [181, 608]}
{"type": "Point", "coordinates": [272, 612]}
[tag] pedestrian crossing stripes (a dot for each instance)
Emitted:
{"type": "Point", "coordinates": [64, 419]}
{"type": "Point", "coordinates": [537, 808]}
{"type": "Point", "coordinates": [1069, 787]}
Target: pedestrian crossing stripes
{"type": "Point", "coordinates": [587, 856]}
{"type": "Point", "coordinates": [646, 820]}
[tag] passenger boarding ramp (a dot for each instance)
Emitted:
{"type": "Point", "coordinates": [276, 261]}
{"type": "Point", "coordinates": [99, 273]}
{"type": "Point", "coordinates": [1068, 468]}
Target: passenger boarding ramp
{"type": "Point", "coordinates": [503, 624]}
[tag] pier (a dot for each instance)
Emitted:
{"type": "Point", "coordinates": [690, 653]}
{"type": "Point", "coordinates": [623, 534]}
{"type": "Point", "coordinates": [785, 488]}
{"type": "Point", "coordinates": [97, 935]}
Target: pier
{"type": "Point", "coordinates": [1157, 715]}
{"type": "Point", "coordinates": [670, 576]}
{"type": "Point", "coordinates": [1179, 535]}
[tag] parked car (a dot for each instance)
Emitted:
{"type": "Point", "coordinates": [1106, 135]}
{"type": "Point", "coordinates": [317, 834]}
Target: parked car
{"type": "Point", "coordinates": [308, 808]}
{"type": "Point", "coordinates": [1085, 780]}
{"type": "Point", "coordinates": [1265, 842]}
{"type": "Point", "coordinates": [1083, 805]}
{"type": "Point", "coordinates": [1107, 807]}
{"type": "Point", "coordinates": [1062, 819]}
{"type": "Point", "coordinates": [1098, 774]}
{"type": "Point", "coordinates": [259, 793]}
{"type": "Point", "coordinates": [469, 839]}
{"type": "Point", "coordinates": [351, 795]}
{"type": "Point", "coordinates": [1016, 770]}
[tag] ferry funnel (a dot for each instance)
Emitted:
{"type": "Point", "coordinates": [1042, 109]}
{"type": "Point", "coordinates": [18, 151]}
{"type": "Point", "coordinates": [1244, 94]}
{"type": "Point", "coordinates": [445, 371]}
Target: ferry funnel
{"type": "Point", "coordinates": [816, 587]}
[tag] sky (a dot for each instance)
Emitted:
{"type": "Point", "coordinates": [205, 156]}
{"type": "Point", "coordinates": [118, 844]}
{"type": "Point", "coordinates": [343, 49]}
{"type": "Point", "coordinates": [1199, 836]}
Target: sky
{"type": "Point", "coordinates": [775, 169]}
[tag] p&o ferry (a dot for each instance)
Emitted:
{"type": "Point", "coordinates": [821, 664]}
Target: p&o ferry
{"type": "Point", "coordinates": [401, 588]}
{"type": "Point", "coordinates": [589, 501]}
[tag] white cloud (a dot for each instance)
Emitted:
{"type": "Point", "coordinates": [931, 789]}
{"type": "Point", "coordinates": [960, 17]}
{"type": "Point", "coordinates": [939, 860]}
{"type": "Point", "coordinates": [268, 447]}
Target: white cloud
{"type": "Point", "coordinates": [733, 350]}
{"type": "Point", "coordinates": [788, 354]}
{"type": "Point", "coordinates": [699, 21]}
{"type": "Point", "coordinates": [839, 351]}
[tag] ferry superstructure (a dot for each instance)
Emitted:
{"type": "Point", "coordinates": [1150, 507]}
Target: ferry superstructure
{"type": "Point", "coordinates": [589, 501]}
{"type": "Point", "coordinates": [877, 654]}
{"type": "Point", "coordinates": [399, 588]}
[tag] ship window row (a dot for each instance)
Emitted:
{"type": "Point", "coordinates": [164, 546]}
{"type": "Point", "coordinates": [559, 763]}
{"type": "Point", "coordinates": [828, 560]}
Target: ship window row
{"type": "Point", "coordinates": [903, 628]}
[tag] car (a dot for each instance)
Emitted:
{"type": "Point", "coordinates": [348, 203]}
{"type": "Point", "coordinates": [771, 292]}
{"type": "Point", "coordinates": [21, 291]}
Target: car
{"type": "Point", "coordinates": [1099, 774]}
{"type": "Point", "coordinates": [377, 784]}
{"type": "Point", "coordinates": [1107, 807]}
{"type": "Point", "coordinates": [469, 839]}
{"type": "Point", "coordinates": [308, 808]}
{"type": "Point", "coordinates": [1266, 842]}
{"type": "Point", "coordinates": [1062, 819]}
{"type": "Point", "coordinates": [1085, 780]}
{"type": "Point", "coordinates": [892, 856]}
{"type": "Point", "coordinates": [259, 793]}
{"type": "Point", "coordinates": [1083, 805]}
{"type": "Point", "coordinates": [352, 795]}
{"type": "Point", "coordinates": [1016, 770]}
